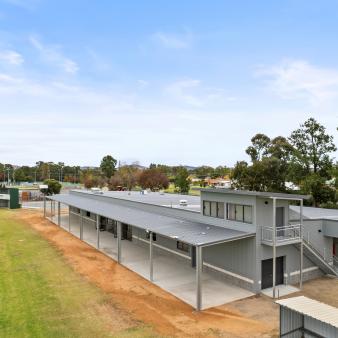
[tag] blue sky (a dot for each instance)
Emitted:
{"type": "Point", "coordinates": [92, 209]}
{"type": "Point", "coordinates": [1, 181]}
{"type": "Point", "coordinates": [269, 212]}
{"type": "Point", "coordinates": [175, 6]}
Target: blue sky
{"type": "Point", "coordinates": [175, 82]}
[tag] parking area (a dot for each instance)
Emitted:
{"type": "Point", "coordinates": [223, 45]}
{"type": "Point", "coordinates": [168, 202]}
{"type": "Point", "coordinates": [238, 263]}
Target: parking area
{"type": "Point", "coordinates": [171, 272]}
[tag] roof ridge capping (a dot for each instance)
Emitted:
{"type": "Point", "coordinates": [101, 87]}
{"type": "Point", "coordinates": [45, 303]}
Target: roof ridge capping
{"type": "Point", "coordinates": [256, 193]}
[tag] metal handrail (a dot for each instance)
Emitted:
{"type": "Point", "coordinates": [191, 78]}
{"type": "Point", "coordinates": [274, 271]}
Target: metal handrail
{"type": "Point", "coordinates": [283, 234]}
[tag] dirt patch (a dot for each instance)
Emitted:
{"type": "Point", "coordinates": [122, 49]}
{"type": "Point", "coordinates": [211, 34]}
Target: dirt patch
{"type": "Point", "coordinates": [143, 301]}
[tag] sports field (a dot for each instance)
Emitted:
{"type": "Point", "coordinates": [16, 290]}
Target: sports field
{"type": "Point", "coordinates": [42, 296]}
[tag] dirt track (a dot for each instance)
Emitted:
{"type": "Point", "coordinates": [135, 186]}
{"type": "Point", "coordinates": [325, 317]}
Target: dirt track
{"type": "Point", "coordinates": [143, 301]}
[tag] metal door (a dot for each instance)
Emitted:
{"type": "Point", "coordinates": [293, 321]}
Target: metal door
{"type": "Point", "coordinates": [267, 272]}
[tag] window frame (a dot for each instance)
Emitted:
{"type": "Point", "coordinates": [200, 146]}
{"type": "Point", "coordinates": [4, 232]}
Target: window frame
{"type": "Point", "coordinates": [207, 204]}
{"type": "Point", "coordinates": [244, 207]}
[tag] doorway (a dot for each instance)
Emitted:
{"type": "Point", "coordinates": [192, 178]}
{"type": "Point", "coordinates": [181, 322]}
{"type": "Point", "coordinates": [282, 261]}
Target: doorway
{"type": "Point", "coordinates": [267, 268]}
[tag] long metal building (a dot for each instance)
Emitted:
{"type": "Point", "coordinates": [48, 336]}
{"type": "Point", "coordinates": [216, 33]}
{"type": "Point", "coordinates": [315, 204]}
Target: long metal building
{"type": "Point", "coordinates": [208, 250]}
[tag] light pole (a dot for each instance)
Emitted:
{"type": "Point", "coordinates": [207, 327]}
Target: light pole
{"type": "Point", "coordinates": [8, 170]}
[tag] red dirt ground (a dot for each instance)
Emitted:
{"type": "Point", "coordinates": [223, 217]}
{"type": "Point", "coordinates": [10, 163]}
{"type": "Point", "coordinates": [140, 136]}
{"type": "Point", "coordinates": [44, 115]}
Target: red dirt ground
{"type": "Point", "coordinates": [144, 301]}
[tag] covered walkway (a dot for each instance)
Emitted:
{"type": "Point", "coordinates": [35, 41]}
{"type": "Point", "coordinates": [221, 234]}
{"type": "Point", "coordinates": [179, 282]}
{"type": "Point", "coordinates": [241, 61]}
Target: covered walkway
{"type": "Point", "coordinates": [168, 269]}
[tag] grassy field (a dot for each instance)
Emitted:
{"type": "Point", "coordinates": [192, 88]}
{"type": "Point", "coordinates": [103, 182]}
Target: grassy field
{"type": "Point", "coordinates": [41, 296]}
{"type": "Point", "coordinates": [194, 190]}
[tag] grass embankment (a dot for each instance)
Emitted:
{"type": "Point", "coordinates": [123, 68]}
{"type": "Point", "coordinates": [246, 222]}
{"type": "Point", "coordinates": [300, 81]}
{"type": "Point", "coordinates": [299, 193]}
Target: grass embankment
{"type": "Point", "coordinates": [41, 296]}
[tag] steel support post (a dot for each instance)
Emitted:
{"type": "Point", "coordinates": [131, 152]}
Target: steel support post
{"type": "Point", "coordinates": [51, 210]}
{"type": "Point", "coordinates": [69, 219]}
{"type": "Point", "coordinates": [301, 246]}
{"type": "Point", "coordinates": [59, 214]}
{"type": "Point", "coordinates": [81, 225]}
{"type": "Point", "coordinates": [44, 206]}
{"type": "Point", "coordinates": [198, 278]}
{"type": "Point", "coordinates": [274, 248]}
{"type": "Point", "coordinates": [151, 267]}
{"type": "Point", "coordinates": [119, 244]}
{"type": "Point", "coordinates": [97, 231]}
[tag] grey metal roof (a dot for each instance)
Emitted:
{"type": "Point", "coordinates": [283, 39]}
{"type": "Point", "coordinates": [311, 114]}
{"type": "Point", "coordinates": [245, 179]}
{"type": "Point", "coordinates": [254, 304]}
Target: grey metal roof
{"type": "Point", "coordinates": [255, 193]}
{"type": "Point", "coordinates": [312, 308]}
{"type": "Point", "coordinates": [190, 232]}
{"type": "Point", "coordinates": [313, 213]}
{"type": "Point", "coordinates": [155, 198]}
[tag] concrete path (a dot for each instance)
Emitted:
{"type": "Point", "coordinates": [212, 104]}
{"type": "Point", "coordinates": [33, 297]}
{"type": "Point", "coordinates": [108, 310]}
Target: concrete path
{"type": "Point", "coordinates": [171, 273]}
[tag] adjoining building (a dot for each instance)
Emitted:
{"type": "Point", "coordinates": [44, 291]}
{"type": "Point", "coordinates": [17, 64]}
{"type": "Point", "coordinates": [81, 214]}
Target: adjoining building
{"type": "Point", "coordinates": [221, 244]}
{"type": "Point", "coordinates": [305, 317]}
{"type": "Point", "coordinates": [9, 198]}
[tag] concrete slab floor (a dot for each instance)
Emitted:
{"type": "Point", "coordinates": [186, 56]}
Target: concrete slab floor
{"type": "Point", "coordinates": [170, 272]}
{"type": "Point", "coordinates": [281, 290]}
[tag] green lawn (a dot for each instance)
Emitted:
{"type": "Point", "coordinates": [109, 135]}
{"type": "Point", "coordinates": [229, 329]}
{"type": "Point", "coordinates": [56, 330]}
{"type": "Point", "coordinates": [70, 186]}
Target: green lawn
{"type": "Point", "coordinates": [41, 296]}
{"type": "Point", "coordinates": [194, 190]}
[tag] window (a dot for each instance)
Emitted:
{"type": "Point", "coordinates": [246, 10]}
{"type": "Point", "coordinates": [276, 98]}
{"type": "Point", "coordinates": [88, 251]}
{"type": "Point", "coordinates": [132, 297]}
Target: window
{"type": "Point", "coordinates": [213, 209]}
{"type": "Point", "coordinates": [240, 213]}
{"type": "Point", "coordinates": [220, 209]}
{"type": "Point", "coordinates": [88, 213]}
{"type": "Point", "coordinates": [182, 246]}
{"type": "Point", "coordinates": [206, 208]}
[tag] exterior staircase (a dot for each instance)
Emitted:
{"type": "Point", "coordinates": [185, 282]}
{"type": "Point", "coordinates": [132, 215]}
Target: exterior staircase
{"type": "Point", "coordinates": [317, 258]}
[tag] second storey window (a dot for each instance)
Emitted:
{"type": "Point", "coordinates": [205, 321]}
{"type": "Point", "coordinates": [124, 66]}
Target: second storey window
{"type": "Point", "coordinates": [239, 212]}
{"type": "Point", "coordinates": [213, 209]}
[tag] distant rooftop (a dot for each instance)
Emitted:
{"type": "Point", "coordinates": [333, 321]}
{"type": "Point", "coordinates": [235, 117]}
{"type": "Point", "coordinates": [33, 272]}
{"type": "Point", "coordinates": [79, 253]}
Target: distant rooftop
{"type": "Point", "coordinates": [255, 193]}
{"type": "Point", "coordinates": [313, 213]}
{"type": "Point", "coordinates": [162, 199]}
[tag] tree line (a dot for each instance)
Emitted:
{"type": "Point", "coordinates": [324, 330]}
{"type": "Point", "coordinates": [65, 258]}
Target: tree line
{"type": "Point", "coordinates": [302, 161]}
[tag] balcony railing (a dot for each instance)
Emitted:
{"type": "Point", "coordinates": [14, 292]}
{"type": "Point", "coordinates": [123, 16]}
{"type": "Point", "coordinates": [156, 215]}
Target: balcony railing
{"type": "Point", "coordinates": [284, 235]}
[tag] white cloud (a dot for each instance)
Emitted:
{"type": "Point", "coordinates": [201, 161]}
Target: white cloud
{"type": "Point", "coordinates": [194, 93]}
{"type": "Point", "coordinates": [173, 41]}
{"type": "Point", "coordinates": [294, 79]}
{"type": "Point", "coordinates": [142, 83]}
{"type": "Point", "coordinates": [52, 54]}
{"type": "Point", "coordinates": [11, 57]}
{"type": "Point", "coordinates": [183, 90]}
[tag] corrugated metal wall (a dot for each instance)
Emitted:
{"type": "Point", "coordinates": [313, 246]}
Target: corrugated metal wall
{"type": "Point", "coordinates": [320, 328]}
{"type": "Point", "coordinates": [289, 321]}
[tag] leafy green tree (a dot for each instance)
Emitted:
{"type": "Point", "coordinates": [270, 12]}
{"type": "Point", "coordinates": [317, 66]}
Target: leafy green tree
{"type": "Point", "coordinates": [108, 166]}
{"type": "Point", "coordinates": [259, 147]}
{"type": "Point", "coordinates": [19, 175]}
{"type": "Point", "coordinates": [182, 181]}
{"type": "Point", "coordinates": [269, 168]}
{"type": "Point", "coordinates": [54, 186]}
{"type": "Point", "coordinates": [311, 165]}
{"type": "Point", "coordinates": [321, 192]}
{"type": "Point", "coordinates": [312, 148]}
